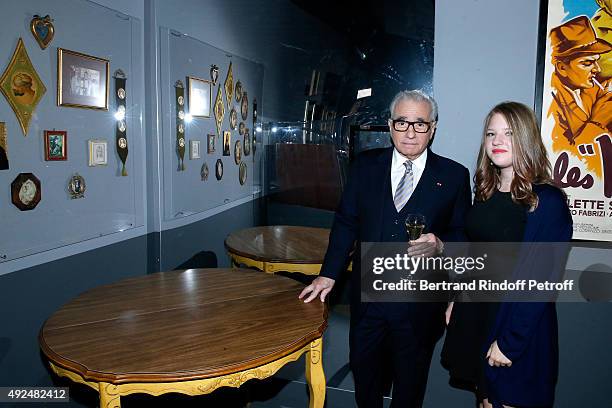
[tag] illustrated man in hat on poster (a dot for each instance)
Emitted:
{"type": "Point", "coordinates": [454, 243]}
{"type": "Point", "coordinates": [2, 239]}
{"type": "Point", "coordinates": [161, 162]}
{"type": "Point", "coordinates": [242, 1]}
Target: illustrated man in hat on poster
{"type": "Point", "coordinates": [582, 102]}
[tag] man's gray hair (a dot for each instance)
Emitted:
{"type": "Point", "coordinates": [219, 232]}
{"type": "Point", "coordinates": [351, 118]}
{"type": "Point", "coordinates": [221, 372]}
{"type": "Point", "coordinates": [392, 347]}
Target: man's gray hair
{"type": "Point", "coordinates": [415, 95]}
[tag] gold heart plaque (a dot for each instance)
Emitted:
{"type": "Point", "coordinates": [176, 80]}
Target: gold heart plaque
{"type": "Point", "coordinates": [43, 30]}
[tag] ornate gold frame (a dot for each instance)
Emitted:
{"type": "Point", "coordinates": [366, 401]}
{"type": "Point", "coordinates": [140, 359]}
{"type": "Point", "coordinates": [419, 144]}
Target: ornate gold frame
{"type": "Point", "coordinates": [219, 111]}
{"type": "Point", "coordinates": [229, 85]}
{"type": "Point", "coordinates": [46, 21]}
{"type": "Point", "coordinates": [21, 61]}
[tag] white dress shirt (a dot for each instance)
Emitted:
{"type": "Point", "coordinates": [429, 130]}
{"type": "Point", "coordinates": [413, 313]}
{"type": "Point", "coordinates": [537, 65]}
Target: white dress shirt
{"type": "Point", "coordinates": [398, 169]}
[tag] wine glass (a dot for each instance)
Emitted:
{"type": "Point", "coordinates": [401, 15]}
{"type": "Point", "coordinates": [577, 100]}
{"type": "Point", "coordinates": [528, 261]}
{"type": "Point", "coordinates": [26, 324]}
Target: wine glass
{"type": "Point", "coordinates": [415, 224]}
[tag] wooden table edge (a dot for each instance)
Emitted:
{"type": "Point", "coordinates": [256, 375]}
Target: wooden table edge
{"type": "Point", "coordinates": [234, 251]}
{"type": "Point", "coordinates": [273, 266]}
{"type": "Point", "coordinates": [117, 379]}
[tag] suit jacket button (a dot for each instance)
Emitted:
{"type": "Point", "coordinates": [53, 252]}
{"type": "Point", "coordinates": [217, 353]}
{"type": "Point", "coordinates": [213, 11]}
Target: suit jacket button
{"type": "Point", "coordinates": [396, 222]}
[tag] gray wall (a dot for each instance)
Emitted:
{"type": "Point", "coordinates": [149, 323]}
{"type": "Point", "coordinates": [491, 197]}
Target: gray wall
{"type": "Point", "coordinates": [59, 221]}
{"type": "Point", "coordinates": [185, 192]}
{"type": "Point", "coordinates": [485, 53]}
{"type": "Point", "coordinates": [29, 296]}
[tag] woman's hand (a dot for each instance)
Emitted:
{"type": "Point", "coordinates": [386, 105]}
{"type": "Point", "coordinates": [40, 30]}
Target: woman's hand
{"type": "Point", "coordinates": [496, 357]}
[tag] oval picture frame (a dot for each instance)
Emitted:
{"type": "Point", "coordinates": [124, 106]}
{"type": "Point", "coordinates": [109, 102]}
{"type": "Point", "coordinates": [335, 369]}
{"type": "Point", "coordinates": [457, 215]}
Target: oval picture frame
{"type": "Point", "coordinates": [219, 169]}
{"type": "Point", "coordinates": [26, 191]}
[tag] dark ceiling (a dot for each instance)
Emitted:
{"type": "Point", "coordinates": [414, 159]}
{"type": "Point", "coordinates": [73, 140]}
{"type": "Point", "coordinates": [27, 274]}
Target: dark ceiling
{"type": "Point", "coordinates": [364, 19]}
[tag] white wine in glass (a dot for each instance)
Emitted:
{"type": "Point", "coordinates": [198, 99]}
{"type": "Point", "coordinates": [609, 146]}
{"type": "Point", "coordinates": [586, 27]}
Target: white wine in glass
{"type": "Point", "coordinates": [415, 224]}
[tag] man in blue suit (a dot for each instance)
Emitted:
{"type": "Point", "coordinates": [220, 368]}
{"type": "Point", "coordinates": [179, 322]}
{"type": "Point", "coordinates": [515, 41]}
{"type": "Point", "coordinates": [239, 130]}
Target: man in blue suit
{"type": "Point", "coordinates": [383, 187]}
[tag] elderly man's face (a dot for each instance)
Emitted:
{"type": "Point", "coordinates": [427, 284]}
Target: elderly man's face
{"type": "Point", "coordinates": [410, 143]}
{"type": "Point", "coordinates": [578, 73]}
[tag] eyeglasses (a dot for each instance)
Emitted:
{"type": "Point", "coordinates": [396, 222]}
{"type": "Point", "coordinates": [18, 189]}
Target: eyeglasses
{"type": "Point", "coordinates": [402, 125]}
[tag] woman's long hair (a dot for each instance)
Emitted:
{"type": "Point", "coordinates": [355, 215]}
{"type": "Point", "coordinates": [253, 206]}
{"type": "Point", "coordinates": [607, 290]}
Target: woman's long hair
{"type": "Point", "coordinates": [529, 159]}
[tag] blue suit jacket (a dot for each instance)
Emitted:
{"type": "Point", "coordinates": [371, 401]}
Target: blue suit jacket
{"type": "Point", "coordinates": [442, 196]}
{"type": "Point", "coordinates": [527, 332]}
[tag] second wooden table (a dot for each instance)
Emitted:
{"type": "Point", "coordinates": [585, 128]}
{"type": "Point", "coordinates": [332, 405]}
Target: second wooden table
{"type": "Point", "coordinates": [278, 248]}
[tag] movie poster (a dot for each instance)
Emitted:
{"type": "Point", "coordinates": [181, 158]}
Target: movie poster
{"type": "Point", "coordinates": [577, 110]}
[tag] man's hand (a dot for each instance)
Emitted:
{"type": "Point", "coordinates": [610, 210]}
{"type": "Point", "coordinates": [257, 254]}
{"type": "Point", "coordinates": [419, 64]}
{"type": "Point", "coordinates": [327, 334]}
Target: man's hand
{"type": "Point", "coordinates": [320, 285]}
{"type": "Point", "coordinates": [496, 357]}
{"type": "Point", "coordinates": [426, 245]}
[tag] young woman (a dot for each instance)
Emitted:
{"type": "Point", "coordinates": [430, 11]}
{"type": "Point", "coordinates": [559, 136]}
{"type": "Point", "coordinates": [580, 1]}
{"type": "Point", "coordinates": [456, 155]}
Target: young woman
{"type": "Point", "coordinates": [507, 353]}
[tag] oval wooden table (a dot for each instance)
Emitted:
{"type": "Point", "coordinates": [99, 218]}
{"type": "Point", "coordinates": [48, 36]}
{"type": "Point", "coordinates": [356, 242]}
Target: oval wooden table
{"type": "Point", "coordinates": [189, 332]}
{"type": "Point", "coordinates": [279, 248]}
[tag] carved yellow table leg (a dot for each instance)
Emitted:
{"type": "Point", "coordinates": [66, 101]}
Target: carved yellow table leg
{"type": "Point", "coordinates": [315, 375]}
{"type": "Point", "coordinates": [110, 393]}
{"type": "Point", "coordinates": [109, 396]}
{"type": "Point", "coordinates": [237, 261]}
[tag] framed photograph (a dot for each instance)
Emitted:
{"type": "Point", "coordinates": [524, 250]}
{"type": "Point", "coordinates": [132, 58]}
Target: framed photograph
{"type": "Point", "coordinates": [211, 144]}
{"type": "Point", "coordinates": [200, 97]}
{"type": "Point", "coordinates": [227, 142]}
{"type": "Point", "coordinates": [573, 90]}
{"type": "Point", "coordinates": [194, 149]}
{"type": "Point", "coordinates": [82, 80]}
{"type": "Point", "coordinates": [98, 152]}
{"type": "Point", "coordinates": [214, 73]}
{"type": "Point", "coordinates": [238, 91]}
{"type": "Point", "coordinates": [233, 119]}
{"type": "Point", "coordinates": [56, 145]}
